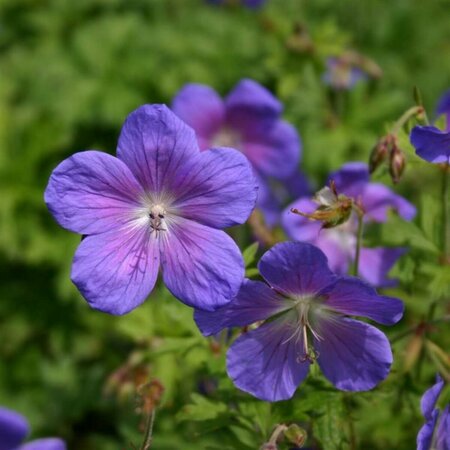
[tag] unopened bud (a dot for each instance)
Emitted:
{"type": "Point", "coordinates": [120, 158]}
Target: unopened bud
{"type": "Point", "coordinates": [295, 435]}
{"type": "Point", "coordinates": [379, 153]}
{"type": "Point", "coordinates": [397, 164]}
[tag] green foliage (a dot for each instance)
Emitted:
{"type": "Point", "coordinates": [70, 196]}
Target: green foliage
{"type": "Point", "coordinates": [71, 72]}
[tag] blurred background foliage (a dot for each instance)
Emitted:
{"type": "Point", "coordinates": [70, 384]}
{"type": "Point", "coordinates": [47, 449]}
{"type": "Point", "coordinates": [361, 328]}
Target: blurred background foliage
{"type": "Point", "coordinates": [70, 73]}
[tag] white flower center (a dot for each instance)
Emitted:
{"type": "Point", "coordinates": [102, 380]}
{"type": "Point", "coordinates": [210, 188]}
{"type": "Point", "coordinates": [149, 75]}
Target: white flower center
{"type": "Point", "coordinates": [227, 137]}
{"type": "Point", "coordinates": [157, 217]}
{"type": "Point", "coordinates": [157, 213]}
{"type": "Point", "coordinates": [307, 310]}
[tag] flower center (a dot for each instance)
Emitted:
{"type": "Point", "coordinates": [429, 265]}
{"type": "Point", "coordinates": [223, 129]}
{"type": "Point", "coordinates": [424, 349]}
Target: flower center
{"type": "Point", "coordinates": [306, 311]}
{"type": "Point", "coordinates": [227, 137]}
{"type": "Point", "coordinates": [157, 215]}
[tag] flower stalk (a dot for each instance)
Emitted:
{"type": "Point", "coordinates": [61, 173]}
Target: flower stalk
{"type": "Point", "coordinates": [149, 430]}
{"type": "Point", "coordinates": [359, 235]}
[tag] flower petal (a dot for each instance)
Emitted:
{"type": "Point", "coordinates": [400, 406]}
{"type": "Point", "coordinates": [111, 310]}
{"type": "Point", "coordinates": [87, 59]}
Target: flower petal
{"type": "Point", "coordinates": [218, 190]}
{"type": "Point", "coordinates": [202, 266]}
{"type": "Point", "coordinates": [350, 177]}
{"type": "Point", "coordinates": [353, 296]}
{"type": "Point", "coordinates": [425, 434]}
{"type": "Point", "coordinates": [375, 264]}
{"type": "Point", "coordinates": [255, 301]}
{"type": "Point", "coordinates": [338, 248]}
{"type": "Point", "coordinates": [155, 144]}
{"type": "Point", "coordinates": [115, 271]}
{"type": "Point", "coordinates": [265, 362]}
{"type": "Point", "coordinates": [430, 397]}
{"type": "Point", "coordinates": [202, 109]}
{"type": "Point", "coordinates": [267, 202]}
{"type": "Point", "coordinates": [44, 444]}
{"type": "Point", "coordinates": [13, 429]}
{"type": "Point", "coordinates": [299, 227]}
{"type": "Point", "coordinates": [377, 199]}
{"type": "Point", "coordinates": [92, 192]}
{"type": "Point", "coordinates": [250, 107]}
{"type": "Point", "coordinates": [432, 144]}
{"type": "Point", "coordinates": [273, 150]}
{"type": "Point", "coordinates": [296, 268]}
{"type": "Point", "coordinates": [353, 355]}
{"type": "Point", "coordinates": [443, 430]}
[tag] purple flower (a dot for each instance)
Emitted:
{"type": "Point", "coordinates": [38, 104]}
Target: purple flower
{"type": "Point", "coordinates": [248, 119]}
{"type": "Point", "coordinates": [161, 202]}
{"type": "Point", "coordinates": [435, 433]}
{"type": "Point", "coordinates": [431, 144]}
{"type": "Point", "coordinates": [340, 74]}
{"type": "Point", "coordinates": [339, 243]}
{"type": "Point", "coordinates": [304, 307]}
{"type": "Point", "coordinates": [443, 107]}
{"type": "Point", "coordinates": [252, 4]}
{"type": "Point", "coordinates": [14, 428]}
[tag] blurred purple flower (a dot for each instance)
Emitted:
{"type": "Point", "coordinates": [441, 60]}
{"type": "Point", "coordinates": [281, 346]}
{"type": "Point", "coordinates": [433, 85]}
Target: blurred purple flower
{"type": "Point", "coordinates": [303, 300]}
{"type": "Point", "coordinates": [252, 4]}
{"type": "Point", "coordinates": [340, 74]}
{"type": "Point", "coordinates": [248, 119]}
{"type": "Point", "coordinates": [161, 202]}
{"type": "Point", "coordinates": [443, 107]}
{"type": "Point", "coordinates": [431, 144]}
{"type": "Point", "coordinates": [435, 433]}
{"type": "Point", "coordinates": [339, 243]}
{"type": "Point", "coordinates": [14, 428]}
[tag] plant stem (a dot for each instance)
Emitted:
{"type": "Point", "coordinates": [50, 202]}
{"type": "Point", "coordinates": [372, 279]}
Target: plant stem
{"type": "Point", "coordinates": [445, 212]}
{"type": "Point", "coordinates": [359, 235]}
{"type": "Point", "coordinates": [404, 118]}
{"type": "Point", "coordinates": [278, 430]}
{"type": "Point", "coordinates": [149, 430]}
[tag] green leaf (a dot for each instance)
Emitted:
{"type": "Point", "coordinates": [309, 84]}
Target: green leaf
{"type": "Point", "coordinates": [401, 232]}
{"type": "Point", "coordinates": [328, 428]}
{"type": "Point", "coordinates": [201, 409]}
{"type": "Point", "coordinates": [253, 272]}
{"type": "Point", "coordinates": [430, 217]}
{"type": "Point", "coordinates": [439, 285]}
{"type": "Point", "coordinates": [249, 253]}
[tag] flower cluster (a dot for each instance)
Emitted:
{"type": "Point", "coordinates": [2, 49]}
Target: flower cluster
{"type": "Point", "coordinates": [339, 243]}
{"type": "Point", "coordinates": [178, 180]}
{"type": "Point", "coordinates": [14, 428]}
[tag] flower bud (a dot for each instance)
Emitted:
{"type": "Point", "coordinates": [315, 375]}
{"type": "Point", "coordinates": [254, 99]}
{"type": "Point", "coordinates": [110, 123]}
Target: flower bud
{"type": "Point", "coordinates": [295, 435]}
{"type": "Point", "coordinates": [379, 153]}
{"type": "Point", "coordinates": [397, 164]}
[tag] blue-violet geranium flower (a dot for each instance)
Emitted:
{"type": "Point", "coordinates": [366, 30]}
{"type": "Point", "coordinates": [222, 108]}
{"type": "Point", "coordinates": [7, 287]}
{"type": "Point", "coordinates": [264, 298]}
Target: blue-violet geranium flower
{"type": "Point", "coordinates": [161, 202]}
{"type": "Point", "coordinates": [248, 119]}
{"type": "Point", "coordinates": [339, 243]}
{"type": "Point", "coordinates": [304, 306]}
{"type": "Point", "coordinates": [14, 428]}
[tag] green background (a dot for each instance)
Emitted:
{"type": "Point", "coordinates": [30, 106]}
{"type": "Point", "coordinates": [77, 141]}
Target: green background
{"type": "Point", "coordinates": [70, 73]}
